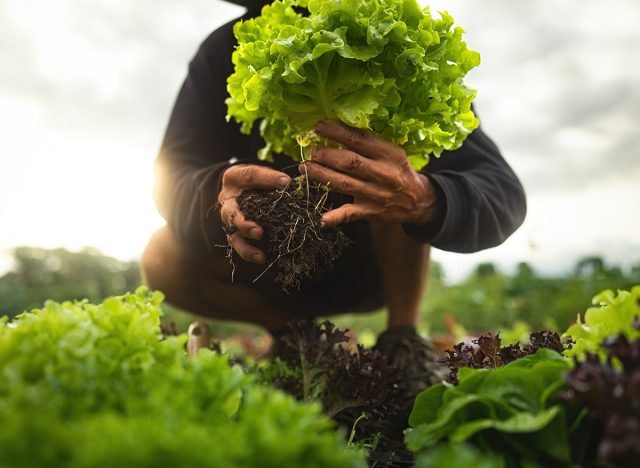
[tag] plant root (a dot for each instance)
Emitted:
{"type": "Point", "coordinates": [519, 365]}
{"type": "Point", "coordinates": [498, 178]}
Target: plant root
{"type": "Point", "coordinates": [296, 246]}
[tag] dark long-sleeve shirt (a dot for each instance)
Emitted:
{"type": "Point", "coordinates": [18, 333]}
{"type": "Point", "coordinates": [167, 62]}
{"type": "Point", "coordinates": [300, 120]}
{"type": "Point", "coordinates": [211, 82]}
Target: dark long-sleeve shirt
{"type": "Point", "coordinates": [482, 200]}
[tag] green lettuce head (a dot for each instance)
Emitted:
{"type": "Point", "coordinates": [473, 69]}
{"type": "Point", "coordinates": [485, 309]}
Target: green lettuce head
{"type": "Point", "coordinates": [386, 66]}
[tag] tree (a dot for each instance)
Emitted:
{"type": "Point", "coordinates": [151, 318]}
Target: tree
{"type": "Point", "coordinates": [58, 274]}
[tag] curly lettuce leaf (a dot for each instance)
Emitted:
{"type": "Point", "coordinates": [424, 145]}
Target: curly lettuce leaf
{"type": "Point", "coordinates": [612, 314]}
{"type": "Point", "coordinates": [611, 395]}
{"type": "Point", "coordinates": [84, 385]}
{"type": "Point", "coordinates": [381, 65]}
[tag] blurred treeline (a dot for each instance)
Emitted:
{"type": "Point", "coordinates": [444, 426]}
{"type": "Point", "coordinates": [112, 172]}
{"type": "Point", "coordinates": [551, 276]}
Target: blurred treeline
{"type": "Point", "coordinates": [41, 274]}
{"type": "Point", "coordinates": [486, 300]}
{"type": "Point", "coordinates": [491, 300]}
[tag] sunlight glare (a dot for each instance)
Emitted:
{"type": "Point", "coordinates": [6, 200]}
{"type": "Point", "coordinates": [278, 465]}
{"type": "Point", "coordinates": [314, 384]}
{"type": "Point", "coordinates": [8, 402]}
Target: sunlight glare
{"type": "Point", "coordinates": [70, 191]}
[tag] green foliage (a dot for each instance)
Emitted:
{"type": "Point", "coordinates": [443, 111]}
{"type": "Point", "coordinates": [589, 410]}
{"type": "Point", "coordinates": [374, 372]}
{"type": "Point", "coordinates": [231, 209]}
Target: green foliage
{"type": "Point", "coordinates": [57, 274]}
{"type": "Point", "coordinates": [490, 300]}
{"type": "Point", "coordinates": [458, 456]}
{"type": "Point", "coordinates": [511, 410]}
{"type": "Point", "coordinates": [487, 352]}
{"type": "Point", "coordinates": [544, 409]}
{"type": "Point", "coordinates": [613, 314]}
{"type": "Point", "coordinates": [611, 394]}
{"type": "Point", "coordinates": [518, 333]}
{"type": "Point", "coordinates": [382, 65]}
{"type": "Point", "coordinates": [85, 385]}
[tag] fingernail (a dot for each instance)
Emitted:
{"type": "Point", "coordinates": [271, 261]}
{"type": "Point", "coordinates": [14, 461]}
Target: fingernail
{"type": "Point", "coordinates": [258, 258]}
{"type": "Point", "coordinates": [320, 126]}
{"type": "Point", "coordinates": [255, 233]}
{"type": "Point", "coordinates": [284, 180]}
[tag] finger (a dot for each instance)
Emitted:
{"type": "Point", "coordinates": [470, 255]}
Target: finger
{"type": "Point", "coordinates": [360, 141]}
{"type": "Point", "coordinates": [246, 228]}
{"type": "Point", "coordinates": [249, 176]}
{"type": "Point", "coordinates": [348, 162]}
{"type": "Point", "coordinates": [229, 209]}
{"type": "Point", "coordinates": [234, 221]}
{"type": "Point", "coordinates": [339, 182]}
{"type": "Point", "coordinates": [344, 214]}
{"type": "Point", "coordinates": [247, 252]}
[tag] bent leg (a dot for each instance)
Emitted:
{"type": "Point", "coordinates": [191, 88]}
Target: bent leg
{"type": "Point", "coordinates": [202, 284]}
{"type": "Point", "coordinates": [404, 265]}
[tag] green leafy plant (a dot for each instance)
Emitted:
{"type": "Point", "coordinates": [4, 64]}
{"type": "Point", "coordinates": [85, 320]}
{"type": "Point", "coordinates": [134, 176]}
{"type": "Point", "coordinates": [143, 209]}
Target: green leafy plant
{"type": "Point", "coordinates": [511, 410]}
{"type": "Point", "coordinates": [382, 65]}
{"type": "Point", "coordinates": [85, 385]}
{"type": "Point", "coordinates": [487, 352]}
{"type": "Point", "coordinates": [532, 405]}
{"type": "Point", "coordinates": [461, 455]}
{"type": "Point", "coordinates": [612, 314]}
{"type": "Point", "coordinates": [612, 396]}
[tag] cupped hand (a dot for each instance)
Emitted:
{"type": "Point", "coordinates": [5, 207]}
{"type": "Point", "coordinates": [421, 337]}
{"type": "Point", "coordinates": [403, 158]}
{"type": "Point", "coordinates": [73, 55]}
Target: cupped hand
{"type": "Point", "coordinates": [377, 173]}
{"type": "Point", "coordinates": [235, 180]}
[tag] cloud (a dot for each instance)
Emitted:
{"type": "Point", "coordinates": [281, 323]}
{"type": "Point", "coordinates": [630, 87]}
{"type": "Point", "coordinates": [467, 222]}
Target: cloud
{"type": "Point", "coordinates": [86, 88]}
{"type": "Point", "coordinates": [114, 66]}
{"type": "Point", "coordinates": [558, 92]}
{"type": "Point", "coordinates": [558, 86]}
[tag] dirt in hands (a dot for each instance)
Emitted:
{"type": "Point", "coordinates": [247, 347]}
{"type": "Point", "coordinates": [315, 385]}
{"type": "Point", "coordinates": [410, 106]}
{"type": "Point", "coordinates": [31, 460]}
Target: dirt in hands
{"type": "Point", "coordinates": [296, 246]}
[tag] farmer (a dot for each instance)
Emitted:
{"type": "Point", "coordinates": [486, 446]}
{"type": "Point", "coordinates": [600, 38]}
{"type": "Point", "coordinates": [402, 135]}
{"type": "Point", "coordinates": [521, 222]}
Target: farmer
{"type": "Point", "coordinates": [462, 202]}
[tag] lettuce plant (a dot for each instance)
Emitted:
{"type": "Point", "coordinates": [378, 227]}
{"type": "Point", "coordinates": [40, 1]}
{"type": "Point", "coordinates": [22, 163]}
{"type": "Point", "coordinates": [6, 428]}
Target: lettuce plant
{"type": "Point", "coordinates": [612, 396]}
{"type": "Point", "coordinates": [313, 364]}
{"type": "Point", "coordinates": [606, 374]}
{"type": "Point", "coordinates": [488, 352]}
{"type": "Point", "coordinates": [532, 405]}
{"type": "Point", "coordinates": [612, 314]}
{"type": "Point", "coordinates": [386, 66]}
{"type": "Point", "coordinates": [85, 385]}
{"type": "Point", "coordinates": [511, 410]}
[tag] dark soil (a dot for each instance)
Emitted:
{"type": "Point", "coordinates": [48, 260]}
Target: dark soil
{"type": "Point", "coordinates": [296, 246]}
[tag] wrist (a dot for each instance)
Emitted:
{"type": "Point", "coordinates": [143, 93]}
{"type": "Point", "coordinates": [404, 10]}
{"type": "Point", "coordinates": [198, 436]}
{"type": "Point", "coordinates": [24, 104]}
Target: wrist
{"type": "Point", "coordinates": [430, 209]}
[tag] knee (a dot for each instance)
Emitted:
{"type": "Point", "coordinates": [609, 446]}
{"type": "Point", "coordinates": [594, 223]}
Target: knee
{"type": "Point", "coordinates": [156, 258]}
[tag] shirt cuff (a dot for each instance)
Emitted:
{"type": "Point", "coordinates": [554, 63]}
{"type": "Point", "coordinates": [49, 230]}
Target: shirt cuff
{"type": "Point", "coordinates": [451, 198]}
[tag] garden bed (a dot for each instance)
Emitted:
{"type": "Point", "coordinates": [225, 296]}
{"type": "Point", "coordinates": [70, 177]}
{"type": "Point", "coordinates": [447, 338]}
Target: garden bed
{"type": "Point", "coordinates": [100, 385]}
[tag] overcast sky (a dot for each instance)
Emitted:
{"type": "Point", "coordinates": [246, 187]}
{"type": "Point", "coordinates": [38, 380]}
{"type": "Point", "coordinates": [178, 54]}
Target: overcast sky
{"type": "Point", "coordinates": [86, 88]}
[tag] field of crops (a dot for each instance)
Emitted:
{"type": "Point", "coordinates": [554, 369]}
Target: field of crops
{"type": "Point", "coordinates": [100, 385]}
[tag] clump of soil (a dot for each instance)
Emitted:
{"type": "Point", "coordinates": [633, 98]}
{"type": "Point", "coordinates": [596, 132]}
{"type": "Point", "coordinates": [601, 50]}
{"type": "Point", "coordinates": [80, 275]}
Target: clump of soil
{"type": "Point", "coordinates": [295, 244]}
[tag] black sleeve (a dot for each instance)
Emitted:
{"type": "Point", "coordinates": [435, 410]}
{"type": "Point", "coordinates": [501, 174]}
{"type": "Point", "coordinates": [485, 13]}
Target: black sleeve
{"type": "Point", "coordinates": [198, 145]}
{"type": "Point", "coordinates": [481, 198]}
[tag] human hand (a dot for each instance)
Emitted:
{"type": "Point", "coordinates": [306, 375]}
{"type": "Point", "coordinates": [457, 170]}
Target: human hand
{"type": "Point", "coordinates": [235, 180]}
{"type": "Point", "coordinates": [377, 173]}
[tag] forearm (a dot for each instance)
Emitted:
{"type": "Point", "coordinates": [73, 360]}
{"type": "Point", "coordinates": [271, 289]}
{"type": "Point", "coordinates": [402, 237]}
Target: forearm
{"type": "Point", "coordinates": [186, 198]}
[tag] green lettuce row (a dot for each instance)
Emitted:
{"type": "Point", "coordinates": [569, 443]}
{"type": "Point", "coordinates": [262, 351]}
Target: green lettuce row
{"type": "Point", "coordinates": [382, 65]}
{"type": "Point", "coordinates": [85, 385]}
